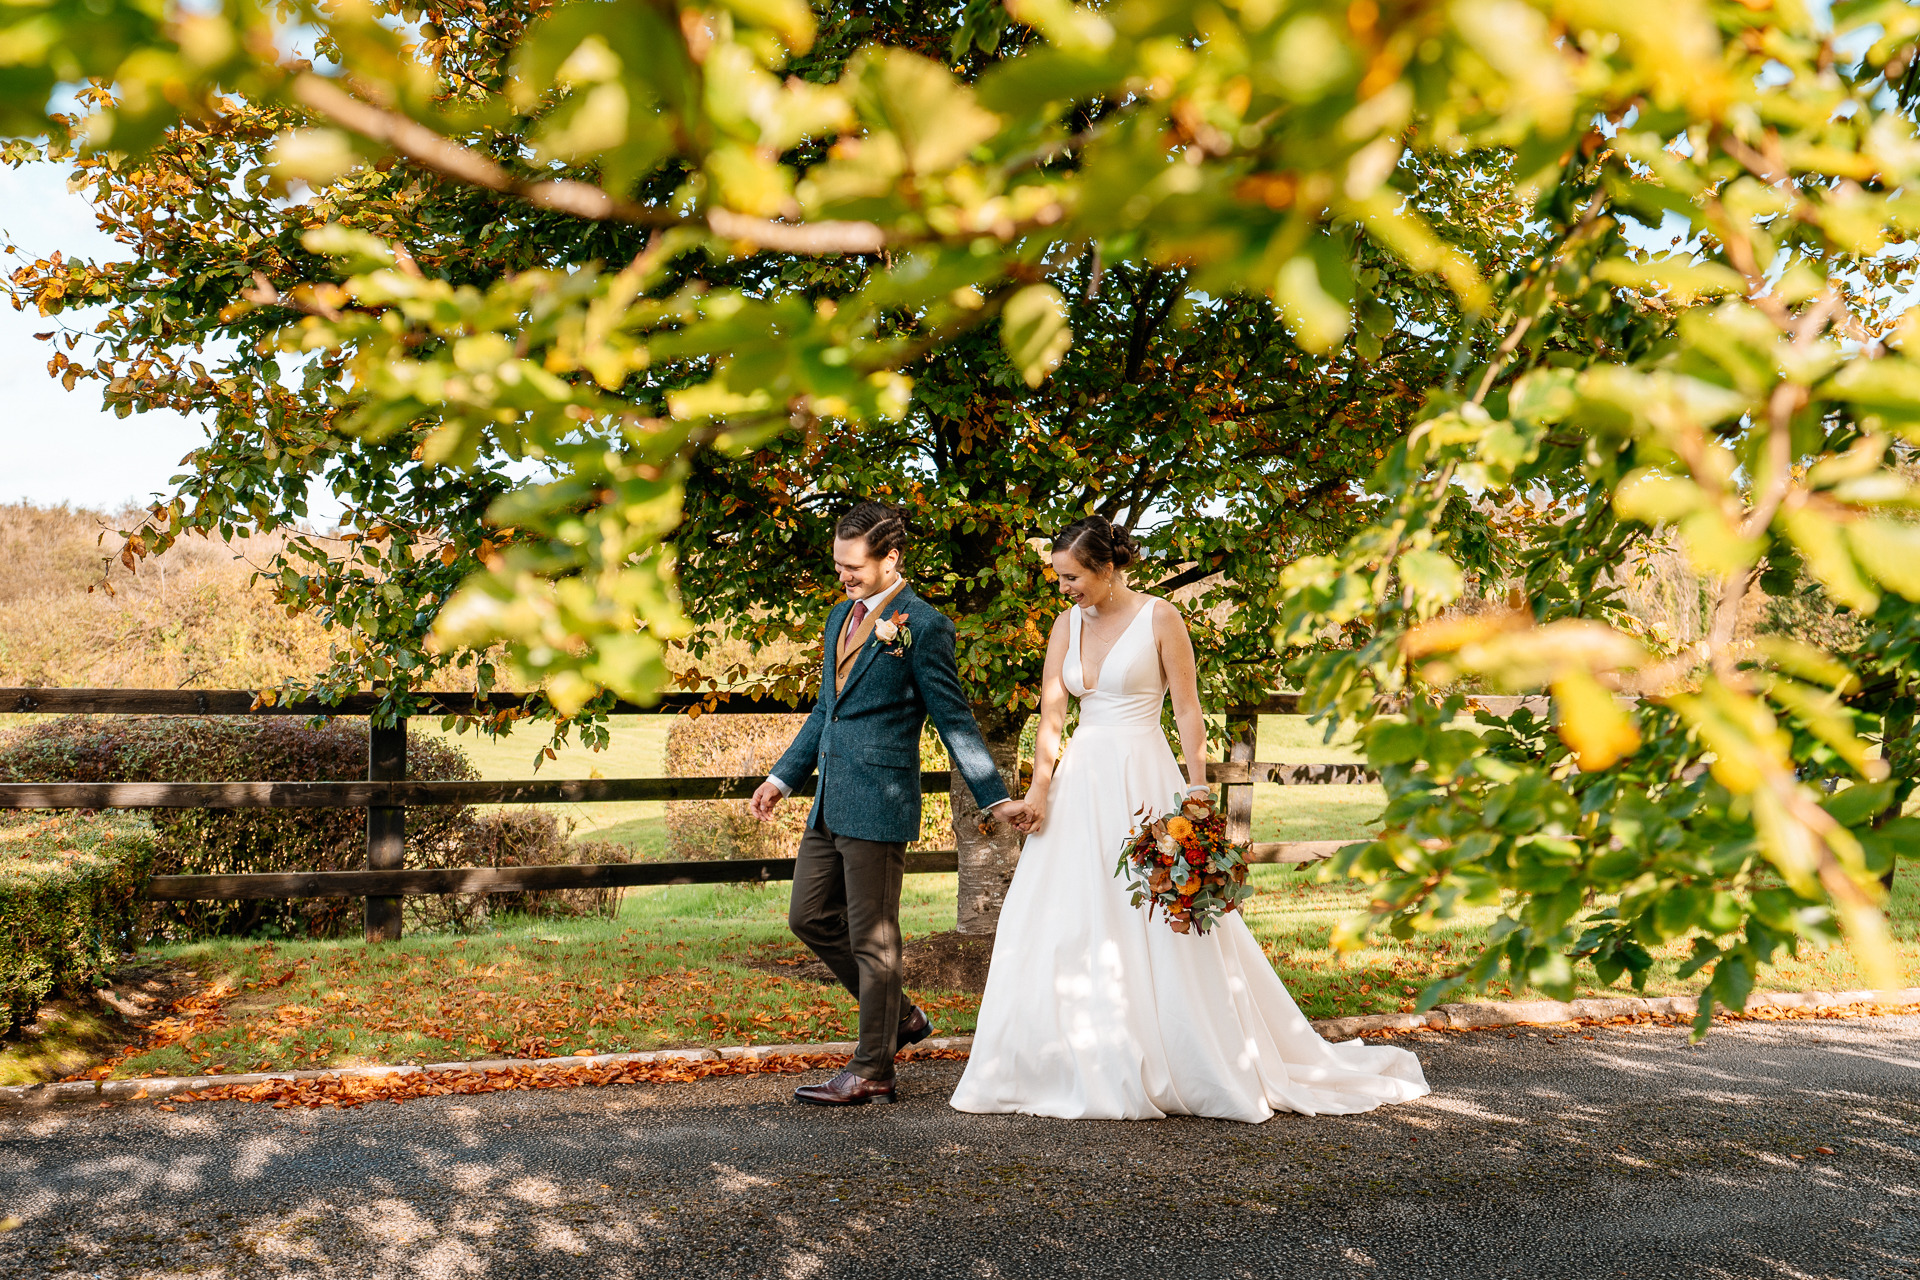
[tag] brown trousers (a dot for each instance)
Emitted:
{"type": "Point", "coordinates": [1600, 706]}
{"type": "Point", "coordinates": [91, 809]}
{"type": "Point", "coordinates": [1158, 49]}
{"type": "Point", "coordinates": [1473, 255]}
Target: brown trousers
{"type": "Point", "coordinates": [846, 906]}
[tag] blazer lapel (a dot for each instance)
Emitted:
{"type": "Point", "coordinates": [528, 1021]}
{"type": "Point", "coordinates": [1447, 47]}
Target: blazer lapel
{"type": "Point", "coordinates": [868, 648]}
{"type": "Point", "coordinates": [829, 675]}
{"type": "Point", "coordinates": [848, 649]}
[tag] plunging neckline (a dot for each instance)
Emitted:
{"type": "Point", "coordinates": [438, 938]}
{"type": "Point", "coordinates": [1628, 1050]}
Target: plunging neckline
{"type": "Point", "coordinates": [1080, 649]}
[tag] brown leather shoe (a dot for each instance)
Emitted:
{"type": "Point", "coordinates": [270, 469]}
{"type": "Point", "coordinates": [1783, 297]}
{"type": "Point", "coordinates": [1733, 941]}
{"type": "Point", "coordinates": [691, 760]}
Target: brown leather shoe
{"type": "Point", "coordinates": [914, 1028]}
{"type": "Point", "coordinates": [845, 1090]}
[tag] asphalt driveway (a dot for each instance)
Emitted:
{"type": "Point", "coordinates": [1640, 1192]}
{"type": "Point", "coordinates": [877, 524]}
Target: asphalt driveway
{"type": "Point", "coordinates": [1542, 1153]}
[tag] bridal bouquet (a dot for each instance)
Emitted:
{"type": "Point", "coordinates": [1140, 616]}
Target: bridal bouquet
{"type": "Point", "coordinates": [1183, 863]}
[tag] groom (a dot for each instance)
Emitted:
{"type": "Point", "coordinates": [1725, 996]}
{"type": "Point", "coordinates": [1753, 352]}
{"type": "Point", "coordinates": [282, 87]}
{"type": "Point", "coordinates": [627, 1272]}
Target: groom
{"type": "Point", "coordinates": [889, 668]}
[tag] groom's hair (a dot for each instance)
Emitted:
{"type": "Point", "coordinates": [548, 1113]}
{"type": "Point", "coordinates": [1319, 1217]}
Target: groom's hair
{"type": "Point", "coordinates": [884, 528]}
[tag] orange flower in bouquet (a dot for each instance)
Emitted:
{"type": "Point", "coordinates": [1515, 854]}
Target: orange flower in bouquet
{"type": "Point", "coordinates": [1182, 863]}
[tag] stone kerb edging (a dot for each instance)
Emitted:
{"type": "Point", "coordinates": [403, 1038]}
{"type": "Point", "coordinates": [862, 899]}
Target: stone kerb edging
{"type": "Point", "coordinates": [69, 1092]}
{"type": "Point", "coordinates": [1446, 1017]}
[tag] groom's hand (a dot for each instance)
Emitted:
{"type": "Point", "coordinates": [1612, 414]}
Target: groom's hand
{"type": "Point", "coordinates": [765, 797]}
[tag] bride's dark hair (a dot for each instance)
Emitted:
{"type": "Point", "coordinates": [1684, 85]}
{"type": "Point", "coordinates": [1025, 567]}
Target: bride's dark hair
{"type": "Point", "coordinates": [1097, 543]}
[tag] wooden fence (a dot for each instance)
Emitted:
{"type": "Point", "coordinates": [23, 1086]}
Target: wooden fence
{"type": "Point", "coordinates": [386, 795]}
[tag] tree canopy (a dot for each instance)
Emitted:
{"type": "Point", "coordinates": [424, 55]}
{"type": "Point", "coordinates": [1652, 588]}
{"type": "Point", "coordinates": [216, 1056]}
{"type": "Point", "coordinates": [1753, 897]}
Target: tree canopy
{"type": "Point", "coordinates": [1746, 391]}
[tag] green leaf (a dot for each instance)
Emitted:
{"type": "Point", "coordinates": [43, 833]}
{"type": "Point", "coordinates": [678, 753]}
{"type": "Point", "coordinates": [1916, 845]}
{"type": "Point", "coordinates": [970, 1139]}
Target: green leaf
{"type": "Point", "coordinates": [791, 20]}
{"type": "Point", "coordinates": [1860, 803]}
{"type": "Point", "coordinates": [1704, 954]}
{"type": "Point", "coordinates": [1047, 76]}
{"type": "Point", "coordinates": [1675, 913]}
{"type": "Point", "coordinates": [1315, 293]}
{"type": "Point", "coordinates": [1732, 982]}
{"type": "Point", "coordinates": [936, 119]}
{"type": "Point", "coordinates": [360, 250]}
{"type": "Point", "coordinates": [1432, 576]}
{"type": "Point", "coordinates": [1678, 280]}
{"type": "Point", "coordinates": [1654, 498]}
{"type": "Point", "coordinates": [1395, 742]}
{"type": "Point", "coordinates": [1033, 329]}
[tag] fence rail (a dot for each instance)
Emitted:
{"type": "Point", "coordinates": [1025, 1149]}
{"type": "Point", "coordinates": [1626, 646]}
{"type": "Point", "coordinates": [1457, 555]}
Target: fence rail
{"type": "Point", "coordinates": [599, 875]}
{"type": "Point", "coordinates": [419, 794]}
{"type": "Point", "coordinates": [242, 702]}
{"type": "Point", "coordinates": [386, 795]}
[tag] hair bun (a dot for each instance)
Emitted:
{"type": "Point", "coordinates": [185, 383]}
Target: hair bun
{"type": "Point", "coordinates": [1098, 543]}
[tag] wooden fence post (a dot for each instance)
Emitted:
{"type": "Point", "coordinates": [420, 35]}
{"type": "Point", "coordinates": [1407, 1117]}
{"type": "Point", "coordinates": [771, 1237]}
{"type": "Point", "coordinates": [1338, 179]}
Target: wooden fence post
{"type": "Point", "coordinates": [386, 828]}
{"type": "Point", "coordinates": [1237, 797]}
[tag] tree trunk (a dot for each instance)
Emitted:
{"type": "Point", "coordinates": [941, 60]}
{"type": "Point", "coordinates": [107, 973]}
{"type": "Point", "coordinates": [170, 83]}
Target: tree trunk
{"type": "Point", "coordinates": [1897, 749]}
{"type": "Point", "coordinates": [987, 857]}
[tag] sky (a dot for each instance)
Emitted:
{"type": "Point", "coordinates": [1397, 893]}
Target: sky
{"type": "Point", "coordinates": [58, 446]}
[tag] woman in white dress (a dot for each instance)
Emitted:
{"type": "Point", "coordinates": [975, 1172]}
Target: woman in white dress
{"type": "Point", "coordinates": [1093, 1010]}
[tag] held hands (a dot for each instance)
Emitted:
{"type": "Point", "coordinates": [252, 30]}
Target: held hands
{"type": "Point", "coordinates": [1029, 814]}
{"type": "Point", "coordinates": [765, 797]}
{"type": "Point", "coordinates": [1013, 813]}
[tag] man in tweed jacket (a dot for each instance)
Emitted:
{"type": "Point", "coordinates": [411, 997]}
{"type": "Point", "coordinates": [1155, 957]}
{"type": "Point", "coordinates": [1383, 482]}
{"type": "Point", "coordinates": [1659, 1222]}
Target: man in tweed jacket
{"type": "Point", "coordinates": [888, 669]}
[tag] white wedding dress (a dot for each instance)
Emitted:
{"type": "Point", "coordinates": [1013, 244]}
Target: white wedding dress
{"type": "Point", "coordinates": [1093, 1011]}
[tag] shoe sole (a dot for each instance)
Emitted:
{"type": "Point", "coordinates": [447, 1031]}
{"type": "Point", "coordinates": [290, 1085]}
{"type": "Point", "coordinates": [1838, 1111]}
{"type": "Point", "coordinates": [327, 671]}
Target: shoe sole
{"type": "Point", "coordinates": [845, 1102]}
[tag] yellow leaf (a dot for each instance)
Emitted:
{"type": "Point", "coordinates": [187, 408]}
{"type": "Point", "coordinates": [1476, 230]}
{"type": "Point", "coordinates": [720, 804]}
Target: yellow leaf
{"type": "Point", "coordinates": [1890, 551]}
{"type": "Point", "coordinates": [1592, 724]}
{"type": "Point", "coordinates": [1821, 546]}
{"type": "Point", "coordinates": [1447, 634]}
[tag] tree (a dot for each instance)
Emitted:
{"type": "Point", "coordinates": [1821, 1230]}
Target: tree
{"type": "Point", "coordinates": [1739, 391]}
{"type": "Point", "coordinates": [1197, 422]}
{"type": "Point", "coordinates": [1241, 446]}
{"type": "Point", "coordinates": [1759, 413]}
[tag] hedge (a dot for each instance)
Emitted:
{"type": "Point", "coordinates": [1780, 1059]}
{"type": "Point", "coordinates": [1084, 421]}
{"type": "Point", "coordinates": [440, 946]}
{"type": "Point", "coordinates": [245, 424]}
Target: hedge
{"type": "Point", "coordinates": [239, 841]}
{"type": "Point", "coordinates": [69, 899]}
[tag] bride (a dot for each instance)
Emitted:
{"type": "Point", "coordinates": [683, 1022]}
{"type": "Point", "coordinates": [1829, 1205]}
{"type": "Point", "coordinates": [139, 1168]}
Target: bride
{"type": "Point", "coordinates": [1093, 1010]}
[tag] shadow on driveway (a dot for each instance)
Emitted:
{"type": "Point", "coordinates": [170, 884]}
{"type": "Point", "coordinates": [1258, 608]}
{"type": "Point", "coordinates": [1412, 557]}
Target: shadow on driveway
{"type": "Point", "coordinates": [1543, 1153]}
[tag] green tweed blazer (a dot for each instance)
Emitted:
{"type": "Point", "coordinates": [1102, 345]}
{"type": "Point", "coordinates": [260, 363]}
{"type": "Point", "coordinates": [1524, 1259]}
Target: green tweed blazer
{"type": "Point", "coordinates": [865, 739]}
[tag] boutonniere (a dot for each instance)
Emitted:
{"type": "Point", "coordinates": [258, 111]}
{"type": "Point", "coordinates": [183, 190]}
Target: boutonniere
{"type": "Point", "coordinates": [894, 628]}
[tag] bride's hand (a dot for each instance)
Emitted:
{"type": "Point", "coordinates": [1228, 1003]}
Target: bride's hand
{"type": "Point", "coordinates": [1036, 811]}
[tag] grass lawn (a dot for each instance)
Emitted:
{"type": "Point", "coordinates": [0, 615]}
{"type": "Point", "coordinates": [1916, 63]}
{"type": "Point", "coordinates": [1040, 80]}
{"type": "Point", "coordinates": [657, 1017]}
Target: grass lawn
{"type": "Point", "coordinates": [637, 749]}
{"type": "Point", "coordinates": [1310, 813]}
{"type": "Point", "coordinates": [668, 971]}
{"type": "Point", "coordinates": [670, 968]}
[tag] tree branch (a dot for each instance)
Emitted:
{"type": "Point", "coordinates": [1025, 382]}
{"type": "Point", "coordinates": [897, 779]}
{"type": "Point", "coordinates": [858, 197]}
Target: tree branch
{"type": "Point", "coordinates": [448, 158]}
{"type": "Point", "coordinates": [1192, 574]}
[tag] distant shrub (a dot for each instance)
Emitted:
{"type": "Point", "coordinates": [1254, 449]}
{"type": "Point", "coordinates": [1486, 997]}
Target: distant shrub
{"type": "Point", "coordinates": [512, 838]}
{"type": "Point", "coordinates": [741, 746]}
{"type": "Point", "coordinates": [235, 841]}
{"type": "Point", "coordinates": [69, 898]}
